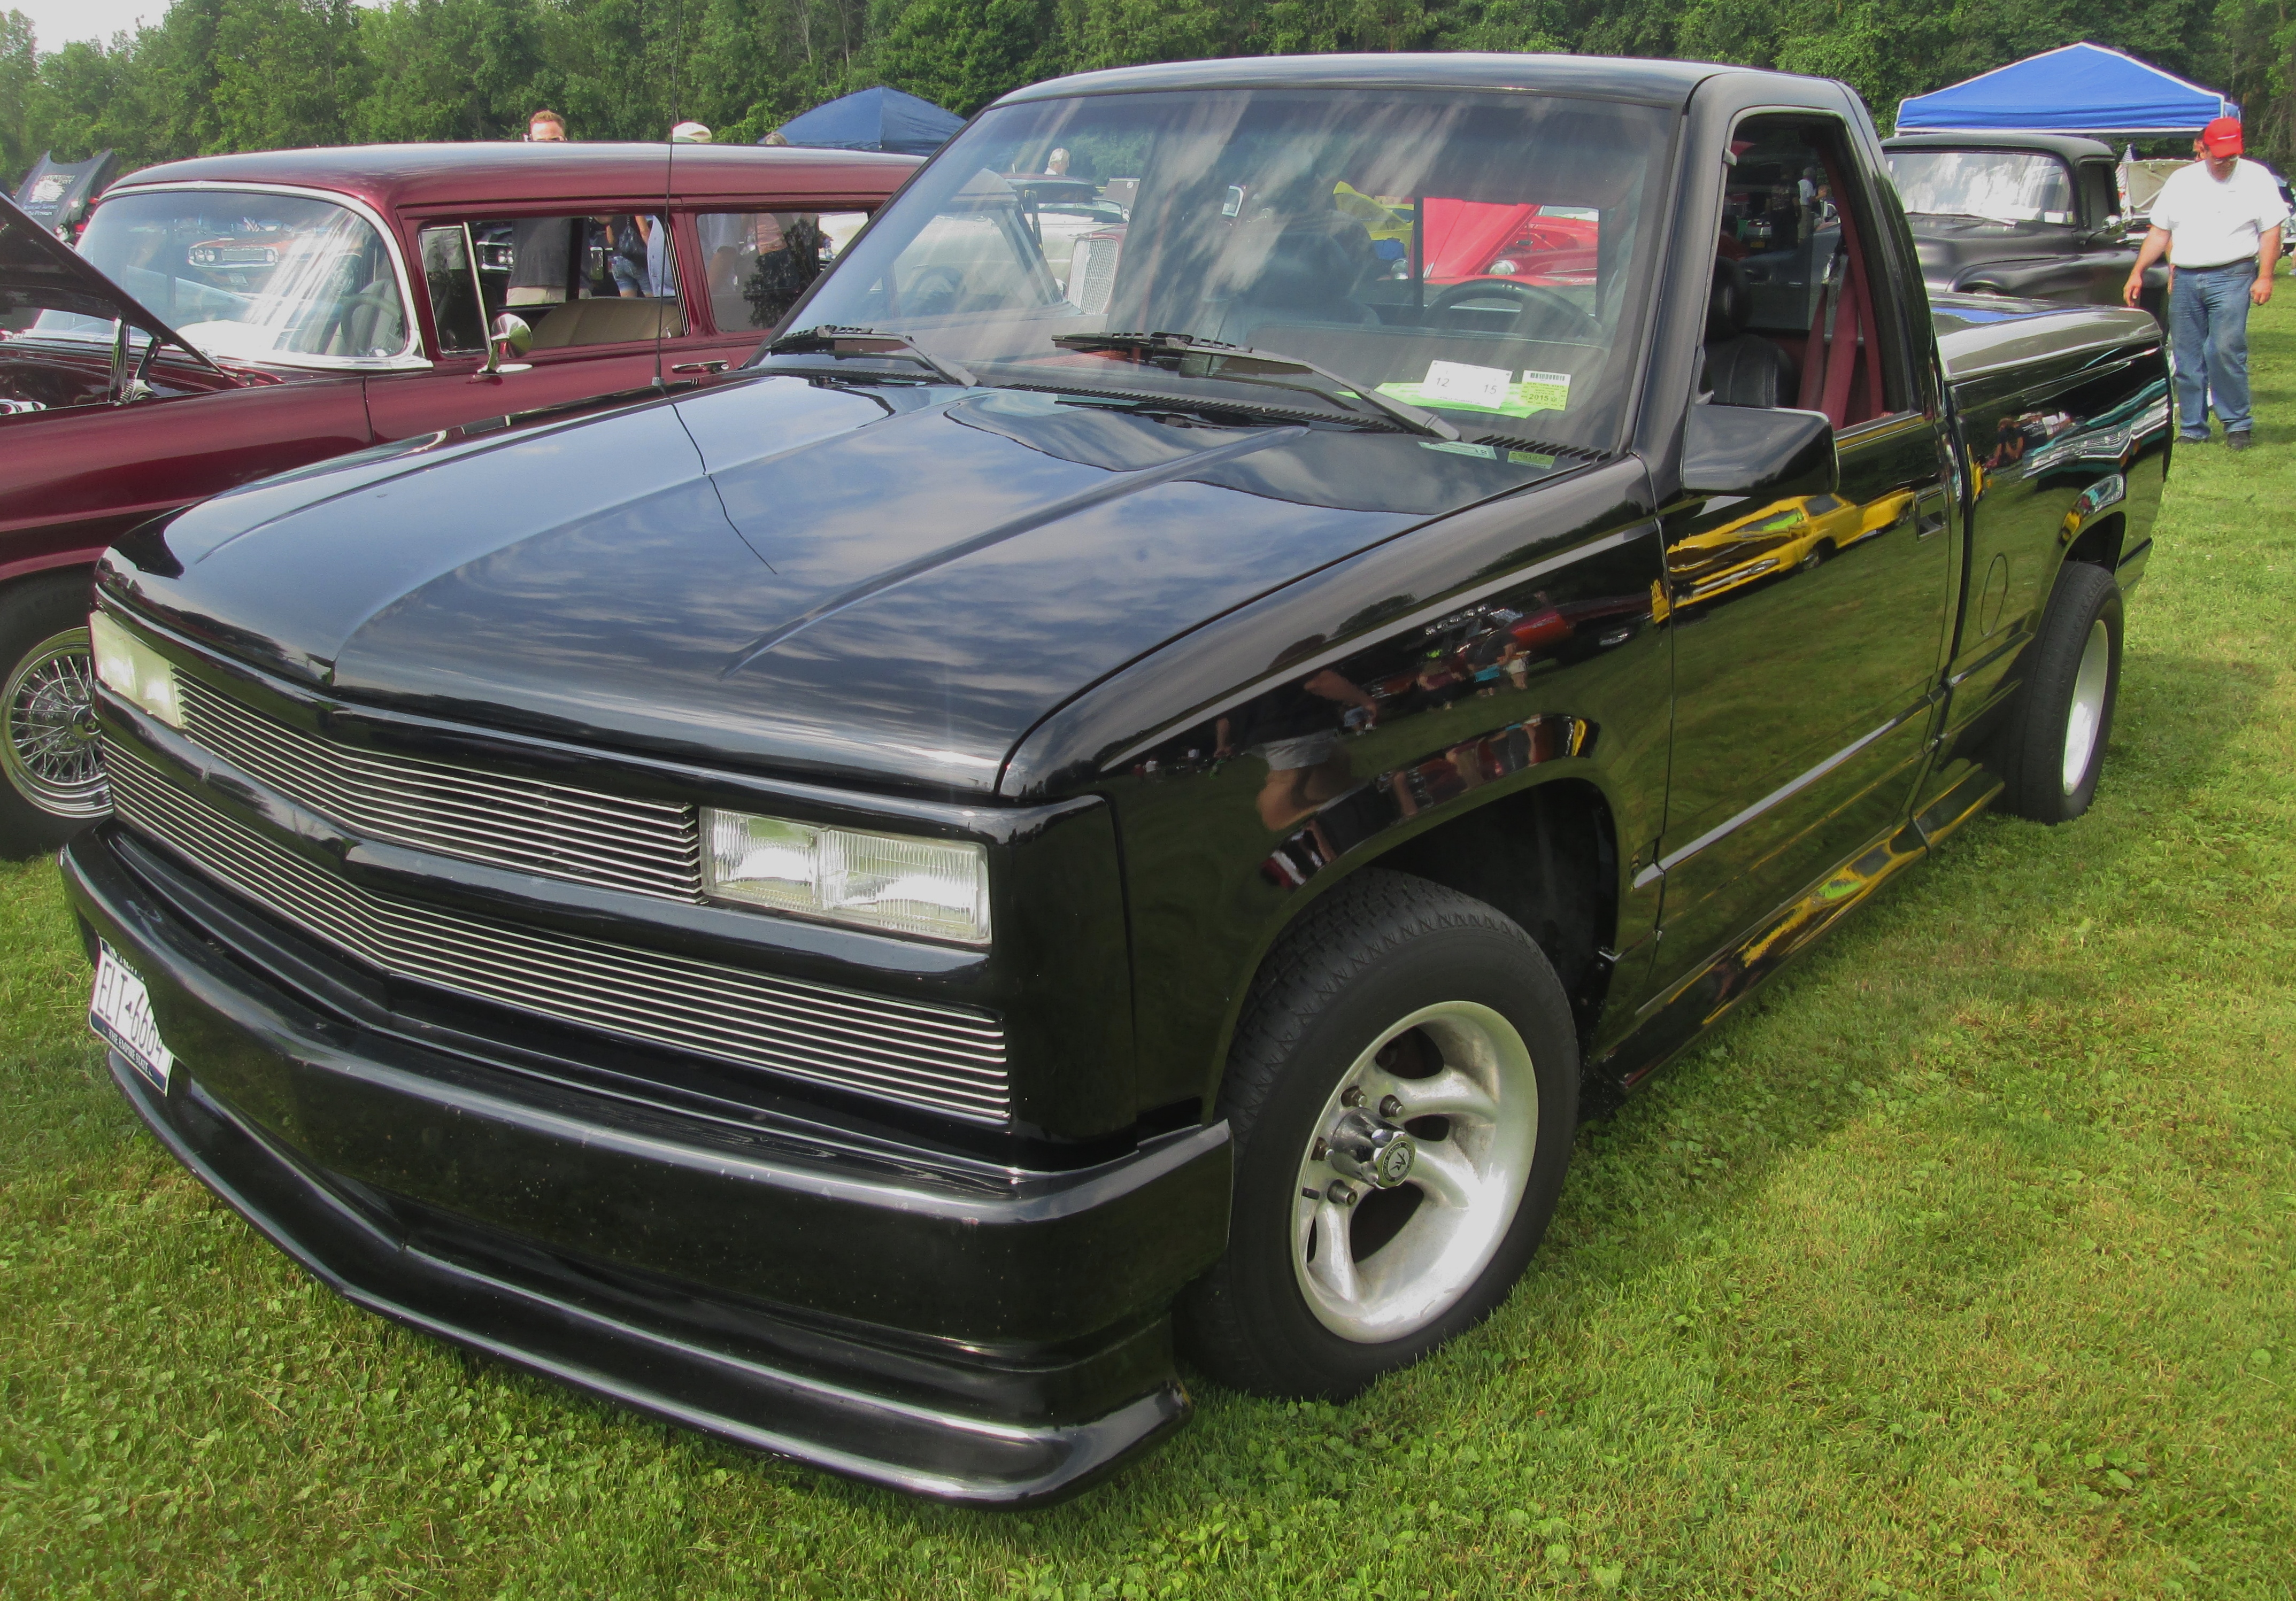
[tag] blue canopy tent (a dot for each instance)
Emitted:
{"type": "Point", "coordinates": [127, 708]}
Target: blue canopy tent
{"type": "Point", "coordinates": [879, 119]}
{"type": "Point", "coordinates": [2079, 89]}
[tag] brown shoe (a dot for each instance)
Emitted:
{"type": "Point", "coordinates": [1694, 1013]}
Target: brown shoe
{"type": "Point", "coordinates": [2239, 441]}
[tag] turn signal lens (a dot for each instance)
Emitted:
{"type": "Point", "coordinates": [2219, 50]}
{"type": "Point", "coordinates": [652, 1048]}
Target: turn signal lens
{"type": "Point", "coordinates": [927, 888]}
{"type": "Point", "coordinates": [132, 670]}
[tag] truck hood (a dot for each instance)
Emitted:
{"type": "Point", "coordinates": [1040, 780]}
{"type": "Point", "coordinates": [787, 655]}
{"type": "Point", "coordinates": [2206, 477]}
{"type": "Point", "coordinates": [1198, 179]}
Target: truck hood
{"type": "Point", "coordinates": [1945, 246]}
{"type": "Point", "coordinates": [886, 584]}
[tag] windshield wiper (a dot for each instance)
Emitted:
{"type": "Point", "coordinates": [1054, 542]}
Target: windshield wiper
{"type": "Point", "coordinates": [1217, 358]}
{"type": "Point", "coordinates": [838, 341]}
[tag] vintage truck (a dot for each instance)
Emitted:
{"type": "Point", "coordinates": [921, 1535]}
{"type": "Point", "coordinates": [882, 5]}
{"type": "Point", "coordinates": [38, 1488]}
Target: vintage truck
{"type": "Point", "coordinates": [842, 909]}
{"type": "Point", "coordinates": [2033, 215]}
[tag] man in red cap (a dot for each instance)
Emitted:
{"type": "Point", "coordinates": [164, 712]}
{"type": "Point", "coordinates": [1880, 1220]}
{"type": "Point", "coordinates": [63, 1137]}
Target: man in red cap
{"type": "Point", "coordinates": [2218, 223]}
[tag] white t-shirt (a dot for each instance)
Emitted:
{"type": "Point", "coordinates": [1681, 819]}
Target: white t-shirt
{"type": "Point", "coordinates": [2211, 223]}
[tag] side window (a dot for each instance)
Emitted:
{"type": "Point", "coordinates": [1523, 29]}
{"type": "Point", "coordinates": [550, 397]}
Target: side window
{"type": "Point", "coordinates": [1799, 316]}
{"type": "Point", "coordinates": [2099, 194]}
{"type": "Point", "coordinates": [759, 263]}
{"type": "Point", "coordinates": [454, 293]}
{"type": "Point", "coordinates": [582, 280]}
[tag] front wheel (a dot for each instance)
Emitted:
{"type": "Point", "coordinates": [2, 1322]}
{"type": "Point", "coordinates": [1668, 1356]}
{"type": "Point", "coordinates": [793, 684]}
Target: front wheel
{"type": "Point", "coordinates": [2052, 749]}
{"type": "Point", "coordinates": [48, 751]}
{"type": "Point", "coordinates": [1403, 1096]}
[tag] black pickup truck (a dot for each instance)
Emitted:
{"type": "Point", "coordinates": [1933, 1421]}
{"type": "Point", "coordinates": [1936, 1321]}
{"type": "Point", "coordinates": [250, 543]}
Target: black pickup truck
{"type": "Point", "coordinates": [1094, 795]}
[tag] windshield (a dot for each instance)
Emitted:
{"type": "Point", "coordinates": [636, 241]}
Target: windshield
{"type": "Point", "coordinates": [1482, 256]}
{"type": "Point", "coordinates": [247, 276]}
{"type": "Point", "coordinates": [2000, 186]}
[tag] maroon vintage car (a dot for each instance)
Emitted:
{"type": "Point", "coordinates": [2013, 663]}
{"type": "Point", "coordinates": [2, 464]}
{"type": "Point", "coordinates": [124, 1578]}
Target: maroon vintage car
{"type": "Point", "coordinates": [234, 316]}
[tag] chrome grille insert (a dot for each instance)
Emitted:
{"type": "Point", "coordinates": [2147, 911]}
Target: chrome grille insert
{"type": "Point", "coordinates": [940, 1057]}
{"type": "Point", "coordinates": [557, 830]}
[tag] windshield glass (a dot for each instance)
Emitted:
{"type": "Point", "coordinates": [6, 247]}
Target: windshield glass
{"type": "Point", "coordinates": [247, 276]}
{"type": "Point", "coordinates": [1478, 255]}
{"type": "Point", "coordinates": [2001, 185]}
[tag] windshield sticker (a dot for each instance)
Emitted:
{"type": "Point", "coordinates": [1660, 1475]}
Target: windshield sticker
{"type": "Point", "coordinates": [1534, 392]}
{"type": "Point", "coordinates": [1455, 383]}
{"type": "Point", "coordinates": [1460, 447]}
{"type": "Point", "coordinates": [1548, 390]}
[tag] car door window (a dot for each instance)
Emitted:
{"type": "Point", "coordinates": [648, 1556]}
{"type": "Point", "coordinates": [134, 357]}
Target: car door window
{"type": "Point", "coordinates": [758, 264]}
{"type": "Point", "coordinates": [576, 281]}
{"type": "Point", "coordinates": [456, 315]}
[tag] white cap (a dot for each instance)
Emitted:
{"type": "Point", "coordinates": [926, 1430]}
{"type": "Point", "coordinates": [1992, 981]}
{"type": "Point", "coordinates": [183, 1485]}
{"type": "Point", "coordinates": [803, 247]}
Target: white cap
{"type": "Point", "coordinates": [689, 133]}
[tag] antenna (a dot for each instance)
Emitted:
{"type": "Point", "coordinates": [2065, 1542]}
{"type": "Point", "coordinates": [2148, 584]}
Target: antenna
{"type": "Point", "coordinates": [670, 261]}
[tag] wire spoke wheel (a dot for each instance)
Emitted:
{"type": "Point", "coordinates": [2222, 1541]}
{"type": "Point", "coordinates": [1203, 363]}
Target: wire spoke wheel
{"type": "Point", "coordinates": [47, 728]}
{"type": "Point", "coordinates": [1414, 1172]}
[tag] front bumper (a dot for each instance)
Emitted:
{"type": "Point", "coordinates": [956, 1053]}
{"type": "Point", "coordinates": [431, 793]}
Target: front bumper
{"type": "Point", "coordinates": [925, 1322]}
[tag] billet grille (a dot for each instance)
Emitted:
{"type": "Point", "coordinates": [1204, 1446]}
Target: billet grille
{"type": "Point", "coordinates": [938, 1058]}
{"type": "Point", "coordinates": [556, 830]}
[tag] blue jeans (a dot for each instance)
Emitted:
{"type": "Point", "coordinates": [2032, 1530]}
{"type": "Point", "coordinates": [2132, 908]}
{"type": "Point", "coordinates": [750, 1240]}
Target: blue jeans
{"type": "Point", "coordinates": [2208, 328]}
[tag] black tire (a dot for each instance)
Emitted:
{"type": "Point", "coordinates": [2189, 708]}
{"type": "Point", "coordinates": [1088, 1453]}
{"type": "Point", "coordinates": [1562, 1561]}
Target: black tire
{"type": "Point", "coordinates": [2042, 735]}
{"type": "Point", "coordinates": [35, 616]}
{"type": "Point", "coordinates": [1377, 950]}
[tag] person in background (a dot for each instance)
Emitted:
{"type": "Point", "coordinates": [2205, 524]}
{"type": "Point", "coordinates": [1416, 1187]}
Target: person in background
{"type": "Point", "coordinates": [777, 139]}
{"type": "Point", "coordinates": [540, 248]}
{"type": "Point", "coordinates": [1057, 164]}
{"type": "Point", "coordinates": [2217, 221]}
{"type": "Point", "coordinates": [690, 132]}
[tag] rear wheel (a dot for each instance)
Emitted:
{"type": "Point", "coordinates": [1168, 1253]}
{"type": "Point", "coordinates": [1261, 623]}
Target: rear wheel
{"type": "Point", "coordinates": [48, 755]}
{"type": "Point", "coordinates": [1403, 1095]}
{"type": "Point", "coordinates": [2053, 750]}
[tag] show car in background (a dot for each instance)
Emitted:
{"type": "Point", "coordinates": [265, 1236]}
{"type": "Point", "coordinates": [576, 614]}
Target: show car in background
{"type": "Point", "coordinates": [829, 909]}
{"type": "Point", "coordinates": [235, 317]}
{"type": "Point", "coordinates": [2035, 217]}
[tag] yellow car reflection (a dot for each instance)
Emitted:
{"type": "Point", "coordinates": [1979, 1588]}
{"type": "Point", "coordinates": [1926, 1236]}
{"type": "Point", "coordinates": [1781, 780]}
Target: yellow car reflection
{"type": "Point", "coordinates": [1785, 536]}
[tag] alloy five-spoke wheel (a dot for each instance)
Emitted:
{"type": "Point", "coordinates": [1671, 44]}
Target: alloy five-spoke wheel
{"type": "Point", "coordinates": [2085, 721]}
{"type": "Point", "coordinates": [2052, 750]}
{"type": "Point", "coordinates": [1402, 1092]}
{"type": "Point", "coordinates": [1414, 1173]}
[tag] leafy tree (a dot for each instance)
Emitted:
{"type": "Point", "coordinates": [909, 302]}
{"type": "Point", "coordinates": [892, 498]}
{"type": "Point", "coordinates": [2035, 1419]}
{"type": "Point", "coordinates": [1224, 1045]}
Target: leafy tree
{"type": "Point", "coordinates": [451, 69]}
{"type": "Point", "coordinates": [20, 73]}
{"type": "Point", "coordinates": [286, 73]}
{"type": "Point", "coordinates": [963, 53]}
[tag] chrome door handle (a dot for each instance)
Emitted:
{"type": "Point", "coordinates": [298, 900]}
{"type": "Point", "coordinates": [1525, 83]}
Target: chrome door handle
{"type": "Point", "coordinates": [701, 366]}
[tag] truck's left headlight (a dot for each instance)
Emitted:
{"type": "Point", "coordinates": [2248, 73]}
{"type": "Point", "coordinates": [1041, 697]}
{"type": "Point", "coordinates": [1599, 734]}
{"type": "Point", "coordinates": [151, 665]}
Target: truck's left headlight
{"type": "Point", "coordinates": [932, 888]}
{"type": "Point", "coordinates": [134, 671]}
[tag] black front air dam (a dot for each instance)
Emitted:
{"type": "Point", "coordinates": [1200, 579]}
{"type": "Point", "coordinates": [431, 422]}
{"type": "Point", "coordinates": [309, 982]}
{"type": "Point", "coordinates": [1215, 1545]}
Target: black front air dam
{"type": "Point", "coordinates": [1015, 1421]}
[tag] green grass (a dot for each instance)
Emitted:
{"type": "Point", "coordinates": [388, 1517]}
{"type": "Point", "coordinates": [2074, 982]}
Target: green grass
{"type": "Point", "coordinates": [1963, 1263]}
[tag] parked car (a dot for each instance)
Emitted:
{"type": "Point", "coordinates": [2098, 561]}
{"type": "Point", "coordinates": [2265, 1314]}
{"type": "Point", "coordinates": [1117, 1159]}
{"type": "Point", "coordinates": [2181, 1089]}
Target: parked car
{"type": "Point", "coordinates": [234, 316]}
{"type": "Point", "coordinates": [834, 909]}
{"type": "Point", "coordinates": [2034, 215]}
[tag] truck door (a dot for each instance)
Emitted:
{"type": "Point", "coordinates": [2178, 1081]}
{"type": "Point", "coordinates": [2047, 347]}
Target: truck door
{"type": "Point", "coordinates": [1807, 632]}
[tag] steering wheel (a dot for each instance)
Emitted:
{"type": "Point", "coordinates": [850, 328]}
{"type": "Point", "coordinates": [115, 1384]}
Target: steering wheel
{"type": "Point", "coordinates": [1539, 312]}
{"type": "Point", "coordinates": [933, 292]}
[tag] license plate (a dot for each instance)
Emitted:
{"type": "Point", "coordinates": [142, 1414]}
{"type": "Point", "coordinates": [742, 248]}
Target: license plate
{"type": "Point", "coordinates": [120, 1011]}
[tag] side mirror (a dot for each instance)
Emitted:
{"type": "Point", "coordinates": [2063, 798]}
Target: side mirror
{"type": "Point", "coordinates": [511, 337]}
{"type": "Point", "coordinates": [1748, 451]}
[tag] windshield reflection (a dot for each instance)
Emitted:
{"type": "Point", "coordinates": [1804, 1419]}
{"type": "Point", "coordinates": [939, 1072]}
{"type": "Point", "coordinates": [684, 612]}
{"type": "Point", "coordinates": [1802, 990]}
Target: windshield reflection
{"type": "Point", "coordinates": [1998, 186]}
{"type": "Point", "coordinates": [248, 277]}
{"type": "Point", "coordinates": [1477, 255]}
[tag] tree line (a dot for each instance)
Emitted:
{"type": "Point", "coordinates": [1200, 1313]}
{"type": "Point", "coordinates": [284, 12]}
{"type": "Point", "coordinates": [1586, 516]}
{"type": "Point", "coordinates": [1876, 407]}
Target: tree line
{"type": "Point", "coordinates": [227, 74]}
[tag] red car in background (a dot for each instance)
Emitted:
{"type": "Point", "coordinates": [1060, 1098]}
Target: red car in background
{"type": "Point", "coordinates": [231, 317]}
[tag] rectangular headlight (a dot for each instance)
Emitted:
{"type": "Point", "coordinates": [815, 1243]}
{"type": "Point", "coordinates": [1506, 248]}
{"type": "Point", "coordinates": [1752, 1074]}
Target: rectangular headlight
{"type": "Point", "coordinates": [934, 888]}
{"type": "Point", "coordinates": [134, 671]}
